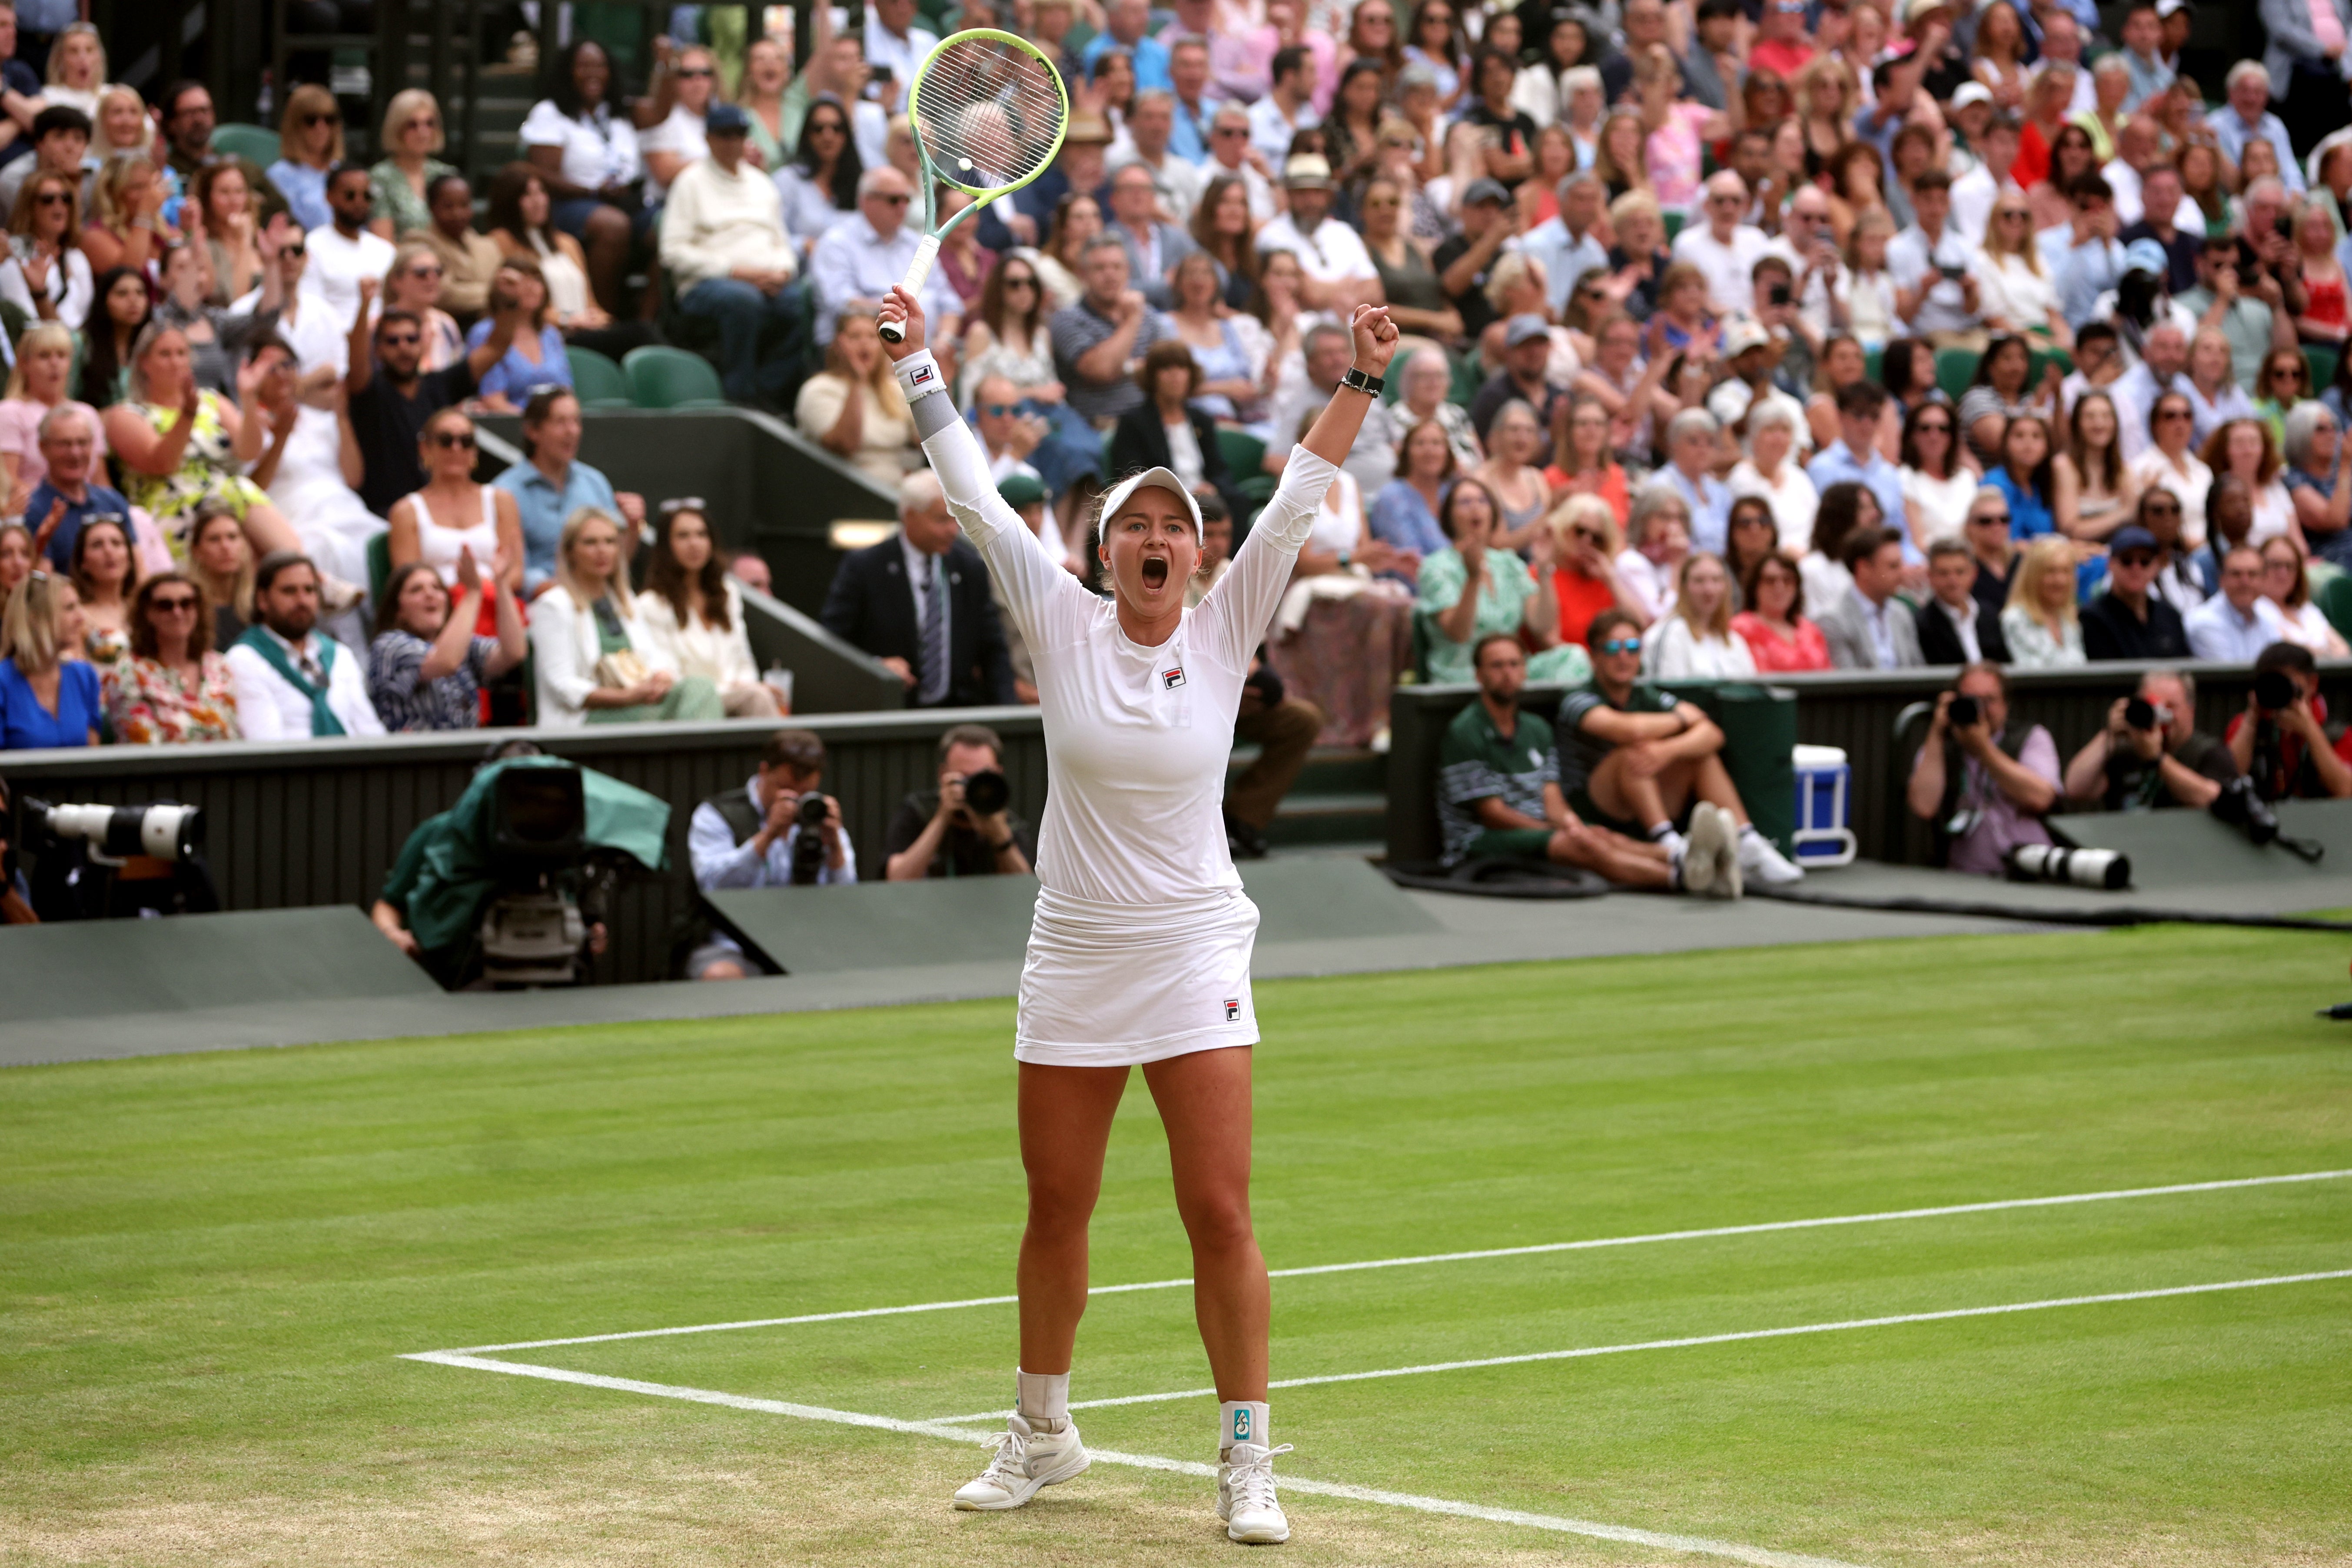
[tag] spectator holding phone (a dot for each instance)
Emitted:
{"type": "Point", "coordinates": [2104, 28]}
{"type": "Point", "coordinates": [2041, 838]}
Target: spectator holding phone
{"type": "Point", "coordinates": [1984, 784]}
{"type": "Point", "coordinates": [2151, 755]}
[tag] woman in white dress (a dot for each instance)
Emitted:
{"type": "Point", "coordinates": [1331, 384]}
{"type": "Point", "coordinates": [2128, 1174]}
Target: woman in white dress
{"type": "Point", "coordinates": [1696, 639]}
{"type": "Point", "coordinates": [1936, 486]}
{"type": "Point", "coordinates": [2286, 584]}
{"type": "Point", "coordinates": [693, 613]}
{"type": "Point", "coordinates": [452, 513]}
{"type": "Point", "coordinates": [1139, 951]}
{"type": "Point", "coordinates": [2170, 463]}
{"type": "Point", "coordinates": [1768, 472]}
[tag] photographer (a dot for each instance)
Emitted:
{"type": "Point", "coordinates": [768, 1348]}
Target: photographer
{"type": "Point", "coordinates": [775, 831]}
{"type": "Point", "coordinates": [1985, 787]}
{"type": "Point", "coordinates": [2151, 754]}
{"type": "Point", "coordinates": [2280, 740]}
{"type": "Point", "coordinates": [966, 827]}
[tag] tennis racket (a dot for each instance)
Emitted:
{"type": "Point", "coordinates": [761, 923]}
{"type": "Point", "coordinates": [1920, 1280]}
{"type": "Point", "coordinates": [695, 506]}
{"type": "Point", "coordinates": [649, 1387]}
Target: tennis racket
{"type": "Point", "coordinates": [988, 112]}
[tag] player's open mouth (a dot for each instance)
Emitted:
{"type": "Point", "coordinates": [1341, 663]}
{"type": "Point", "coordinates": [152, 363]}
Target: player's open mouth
{"type": "Point", "coordinates": [1155, 573]}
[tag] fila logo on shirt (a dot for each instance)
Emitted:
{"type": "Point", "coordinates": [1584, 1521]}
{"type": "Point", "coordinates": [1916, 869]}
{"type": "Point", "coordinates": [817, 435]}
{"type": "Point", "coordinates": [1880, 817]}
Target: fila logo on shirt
{"type": "Point", "coordinates": [1233, 1010]}
{"type": "Point", "coordinates": [1170, 679]}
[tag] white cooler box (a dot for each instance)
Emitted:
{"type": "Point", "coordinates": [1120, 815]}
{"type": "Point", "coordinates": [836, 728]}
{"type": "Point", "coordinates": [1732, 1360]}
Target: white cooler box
{"type": "Point", "coordinates": [1824, 782]}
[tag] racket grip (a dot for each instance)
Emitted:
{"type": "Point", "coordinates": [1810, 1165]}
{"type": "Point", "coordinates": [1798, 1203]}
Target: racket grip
{"type": "Point", "coordinates": [916, 271]}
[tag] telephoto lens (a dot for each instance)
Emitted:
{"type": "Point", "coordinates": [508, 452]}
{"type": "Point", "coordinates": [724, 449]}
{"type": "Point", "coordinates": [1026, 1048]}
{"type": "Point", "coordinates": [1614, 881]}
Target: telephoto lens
{"type": "Point", "coordinates": [2274, 690]}
{"type": "Point", "coordinates": [812, 809]}
{"type": "Point", "coordinates": [808, 844]}
{"type": "Point", "coordinates": [2107, 869]}
{"type": "Point", "coordinates": [1964, 712]}
{"type": "Point", "coordinates": [2139, 713]}
{"type": "Point", "coordinates": [986, 793]}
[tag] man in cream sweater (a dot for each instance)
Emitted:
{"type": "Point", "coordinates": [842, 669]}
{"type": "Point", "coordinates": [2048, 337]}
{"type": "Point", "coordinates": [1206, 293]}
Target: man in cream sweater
{"type": "Point", "coordinates": [723, 241]}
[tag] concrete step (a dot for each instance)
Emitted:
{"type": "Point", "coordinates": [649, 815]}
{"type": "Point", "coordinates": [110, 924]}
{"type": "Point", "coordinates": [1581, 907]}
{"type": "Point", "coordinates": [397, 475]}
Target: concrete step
{"type": "Point", "coordinates": [1340, 817]}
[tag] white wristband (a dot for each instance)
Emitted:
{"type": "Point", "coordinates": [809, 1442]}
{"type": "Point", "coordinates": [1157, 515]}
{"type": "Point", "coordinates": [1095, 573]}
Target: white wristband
{"type": "Point", "coordinates": [919, 375]}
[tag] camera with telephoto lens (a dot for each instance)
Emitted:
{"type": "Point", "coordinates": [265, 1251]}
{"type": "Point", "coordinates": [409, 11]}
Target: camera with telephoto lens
{"type": "Point", "coordinates": [986, 792]}
{"type": "Point", "coordinates": [106, 861]}
{"type": "Point", "coordinates": [2240, 807]}
{"type": "Point", "coordinates": [2106, 869]}
{"type": "Point", "coordinates": [1964, 712]}
{"type": "Point", "coordinates": [2273, 691]}
{"type": "Point", "coordinates": [808, 844]}
{"type": "Point", "coordinates": [2141, 714]}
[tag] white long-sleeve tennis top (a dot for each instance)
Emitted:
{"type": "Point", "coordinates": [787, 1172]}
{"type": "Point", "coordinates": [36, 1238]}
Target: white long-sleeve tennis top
{"type": "Point", "coordinates": [1137, 738]}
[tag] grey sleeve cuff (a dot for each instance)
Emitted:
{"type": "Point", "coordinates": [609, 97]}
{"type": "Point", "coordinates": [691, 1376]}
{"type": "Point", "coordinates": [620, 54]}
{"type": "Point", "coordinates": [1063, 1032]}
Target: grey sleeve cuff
{"type": "Point", "coordinates": [933, 414]}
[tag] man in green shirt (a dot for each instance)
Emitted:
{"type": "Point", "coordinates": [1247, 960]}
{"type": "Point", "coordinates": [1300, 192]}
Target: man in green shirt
{"type": "Point", "coordinates": [1499, 786]}
{"type": "Point", "coordinates": [2253, 328]}
{"type": "Point", "coordinates": [1635, 758]}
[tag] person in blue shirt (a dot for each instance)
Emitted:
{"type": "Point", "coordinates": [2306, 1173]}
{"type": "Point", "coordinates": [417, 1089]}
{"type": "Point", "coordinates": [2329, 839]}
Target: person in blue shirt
{"type": "Point", "coordinates": [46, 699]}
{"type": "Point", "coordinates": [1126, 21]}
{"type": "Point", "coordinates": [2023, 476]}
{"type": "Point", "coordinates": [1405, 513]}
{"type": "Point", "coordinates": [530, 364]}
{"type": "Point", "coordinates": [554, 484]}
{"type": "Point", "coordinates": [1854, 456]}
{"type": "Point", "coordinates": [66, 499]}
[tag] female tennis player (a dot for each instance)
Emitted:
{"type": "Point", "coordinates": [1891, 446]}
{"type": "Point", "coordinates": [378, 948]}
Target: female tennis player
{"type": "Point", "coordinates": [1139, 952]}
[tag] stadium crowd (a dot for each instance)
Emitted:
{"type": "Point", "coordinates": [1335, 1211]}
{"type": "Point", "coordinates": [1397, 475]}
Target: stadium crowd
{"type": "Point", "coordinates": [1745, 337]}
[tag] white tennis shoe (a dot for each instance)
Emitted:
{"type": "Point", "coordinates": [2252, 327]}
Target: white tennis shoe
{"type": "Point", "coordinates": [1026, 1461]}
{"type": "Point", "coordinates": [1711, 865]}
{"type": "Point", "coordinates": [1762, 860]}
{"type": "Point", "coordinates": [1245, 1499]}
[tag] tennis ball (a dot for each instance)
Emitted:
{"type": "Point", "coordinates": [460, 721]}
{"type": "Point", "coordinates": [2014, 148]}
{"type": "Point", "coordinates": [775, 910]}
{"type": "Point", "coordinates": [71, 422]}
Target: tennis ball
{"type": "Point", "coordinates": [964, 165]}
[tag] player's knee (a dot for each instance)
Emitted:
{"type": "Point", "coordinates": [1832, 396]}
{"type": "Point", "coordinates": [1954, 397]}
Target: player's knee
{"type": "Point", "coordinates": [1219, 1223]}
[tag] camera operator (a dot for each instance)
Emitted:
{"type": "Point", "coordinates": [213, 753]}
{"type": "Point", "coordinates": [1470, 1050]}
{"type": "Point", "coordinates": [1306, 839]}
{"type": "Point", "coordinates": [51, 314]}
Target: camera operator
{"type": "Point", "coordinates": [2280, 740]}
{"type": "Point", "coordinates": [1984, 785]}
{"type": "Point", "coordinates": [966, 827]}
{"type": "Point", "coordinates": [775, 831]}
{"type": "Point", "coordinates": [2151, 754]}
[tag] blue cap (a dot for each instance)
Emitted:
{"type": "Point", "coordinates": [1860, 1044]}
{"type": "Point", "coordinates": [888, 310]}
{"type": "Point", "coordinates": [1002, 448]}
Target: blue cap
{"type": "Point", "coordinates": [2131, 536]}
{"type": "Point", "coordinates": [725, 120]}
{"type": "Point", "coordinates": [2145, 255]}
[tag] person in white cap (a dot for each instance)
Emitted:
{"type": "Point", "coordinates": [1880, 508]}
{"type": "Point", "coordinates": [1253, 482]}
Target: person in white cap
{"type": "Point", "coordinates": [1339, 271]}
{"type": "Point", "coordinates": [1139, 950]}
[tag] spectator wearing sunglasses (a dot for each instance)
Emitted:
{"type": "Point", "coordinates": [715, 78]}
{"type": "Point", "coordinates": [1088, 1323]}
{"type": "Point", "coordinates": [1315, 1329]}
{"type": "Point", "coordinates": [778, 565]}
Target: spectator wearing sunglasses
{"type": "Point", "coordinates": [682, 139]}
{"type": "Point", "coordinates": [391, 395]}
{"type": "Point", "coordinates": [450, 515]}
{"type": "Point", "coordinates": [1641, 762]}
{"type": "Point", "coordinates": [310, 140]}
{"type": "Point", "coordinates": [173, 687]}
{"type": "Point", "coordinates": [2127, 619]}
{"type": "Point", "coordinates": [2218, 300]}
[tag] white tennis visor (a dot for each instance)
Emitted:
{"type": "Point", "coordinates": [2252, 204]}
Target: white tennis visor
{"type": "Point", "coordinates": [1166, 480]}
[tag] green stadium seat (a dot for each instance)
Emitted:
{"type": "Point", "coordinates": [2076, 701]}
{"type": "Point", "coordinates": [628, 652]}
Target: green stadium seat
{"type": "Point", "coordinates": [379, 560]}
{"type": "Point", "coordinates": [1245, 457]}
{"type": "Point", "coordinates": [661, 377]}
{"type": "Point", "coordinates": [1674, 224]}
{"type": "Point", "coordinates": [1955, 368]}
{"type": "Point", "coordinates": [2333, 598]}
{"type": "Point", "coordinates": [257, 145]}
{"type": "Point", "coordinates": [1468, 377]}
{"type": "Point", "coordinates": [2322, 363]}
{"type": "Point", "coordinates": [599, 382]}
{"type": "Point", "coordinates": [2044, 358]}
{"type": "Point", "coordinates": [1874, 361]}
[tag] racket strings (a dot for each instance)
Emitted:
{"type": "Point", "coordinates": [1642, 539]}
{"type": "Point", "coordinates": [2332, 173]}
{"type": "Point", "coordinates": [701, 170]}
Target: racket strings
{"type": "Point", "coordinates": [991, 115]}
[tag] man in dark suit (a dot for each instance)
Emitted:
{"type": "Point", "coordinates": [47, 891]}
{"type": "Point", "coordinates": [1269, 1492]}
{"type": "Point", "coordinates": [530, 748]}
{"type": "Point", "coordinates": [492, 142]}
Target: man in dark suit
{"type": "Point", "coordinates": [1954, 627]}
{"type": "Point", "coordinates": [920, 602]}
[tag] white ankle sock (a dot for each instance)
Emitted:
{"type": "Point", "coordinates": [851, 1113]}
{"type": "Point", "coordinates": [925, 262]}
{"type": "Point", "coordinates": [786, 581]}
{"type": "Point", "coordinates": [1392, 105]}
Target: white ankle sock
{"type": "Point", "coordinates": [1244, 1421]}
{"type": "Point", "coordinates": [1042, 1398]}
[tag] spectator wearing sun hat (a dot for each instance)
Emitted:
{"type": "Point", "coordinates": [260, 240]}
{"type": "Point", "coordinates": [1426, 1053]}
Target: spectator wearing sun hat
{"type": "Point", "coordinates": [1339, 271]}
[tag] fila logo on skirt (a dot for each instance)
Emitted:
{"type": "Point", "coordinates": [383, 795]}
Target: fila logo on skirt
{"type": "Point", "coordinates": [1233, 1010]}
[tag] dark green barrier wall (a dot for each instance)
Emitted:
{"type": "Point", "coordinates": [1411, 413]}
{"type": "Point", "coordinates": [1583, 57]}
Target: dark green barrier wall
{"type": "Point", "coordinates": [1852, 710]}
{"type": "Point", "coordinates": [320, 823]}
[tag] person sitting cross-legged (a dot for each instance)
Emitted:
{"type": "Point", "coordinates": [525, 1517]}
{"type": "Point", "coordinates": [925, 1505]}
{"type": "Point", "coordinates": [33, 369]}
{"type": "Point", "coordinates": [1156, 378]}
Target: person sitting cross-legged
{"type": "Point", "coordinates": [1498, 792]}
{"type": "Point", "coordinates": [750, 836]}
{"type": "Point", "coordinates": [1637, 760]}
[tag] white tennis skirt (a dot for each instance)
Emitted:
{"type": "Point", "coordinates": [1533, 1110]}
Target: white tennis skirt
{"type": "Point", "coordinates": [1113, 985]}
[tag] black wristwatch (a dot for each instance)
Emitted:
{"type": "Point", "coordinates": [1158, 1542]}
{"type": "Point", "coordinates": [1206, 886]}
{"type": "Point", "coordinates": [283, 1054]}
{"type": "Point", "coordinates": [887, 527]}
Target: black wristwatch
{"type": "Point", "coordinates": [1355, 378]}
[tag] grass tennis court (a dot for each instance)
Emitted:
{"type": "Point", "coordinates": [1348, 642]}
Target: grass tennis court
{"type": "Point", "coordinates": [214, 1264]}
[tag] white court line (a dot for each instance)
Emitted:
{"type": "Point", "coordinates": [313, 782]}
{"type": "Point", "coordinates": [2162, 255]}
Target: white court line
{"type": "Point", "coordinates": [2061, 1200]}
{"type": "Point", "coordinates": [1762, 1557]}
{"type": "Point", "coordinates": [997, 1413]}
